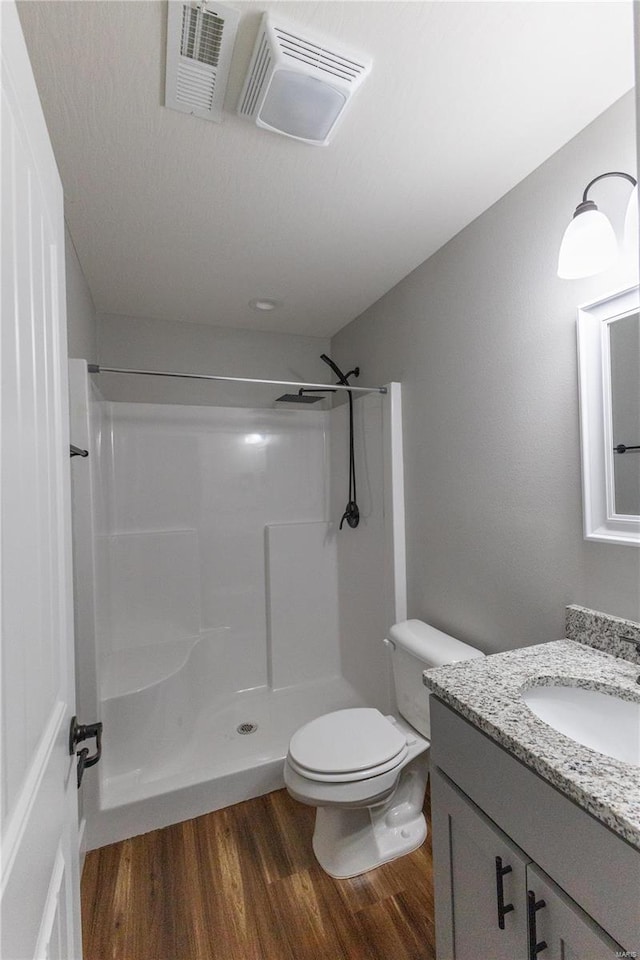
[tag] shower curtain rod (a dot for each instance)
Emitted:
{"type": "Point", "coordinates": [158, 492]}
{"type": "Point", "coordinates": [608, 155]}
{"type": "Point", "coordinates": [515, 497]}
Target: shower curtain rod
{"type": "Point", "coordinates": [98, 368]}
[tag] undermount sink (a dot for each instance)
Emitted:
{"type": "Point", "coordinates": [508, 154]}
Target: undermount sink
{"type": "Point", "coordinates": [601, 721]}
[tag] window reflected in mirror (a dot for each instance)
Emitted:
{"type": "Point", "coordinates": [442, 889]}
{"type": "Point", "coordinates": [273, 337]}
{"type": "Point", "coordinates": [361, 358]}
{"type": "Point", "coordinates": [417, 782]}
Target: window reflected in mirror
{"type": "Point", "coordinates": [609, 381]}
{"type": "Point", "coordinates": [624, 352]}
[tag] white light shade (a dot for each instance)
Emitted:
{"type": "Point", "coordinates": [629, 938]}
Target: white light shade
{"type": "Point", "coordinates": [631, 228]}
{"type": "Point", "coordinates": [301, 106]}
{"type": "Point", "coordinates": [588, 247]}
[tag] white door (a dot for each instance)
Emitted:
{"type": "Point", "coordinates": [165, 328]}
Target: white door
{"type": "Point", "coordinates": [39, 886]}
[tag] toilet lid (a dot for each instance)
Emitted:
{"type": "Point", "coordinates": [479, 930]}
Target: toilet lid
{"type": "Point", "coordinates": [348, 744]}
{"type": "Point", "coordinates": [351, 776]}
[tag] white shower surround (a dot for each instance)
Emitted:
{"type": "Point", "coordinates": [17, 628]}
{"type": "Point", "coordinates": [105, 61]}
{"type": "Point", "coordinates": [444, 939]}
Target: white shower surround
{"type": "Point", "coordinates": [222, 595]}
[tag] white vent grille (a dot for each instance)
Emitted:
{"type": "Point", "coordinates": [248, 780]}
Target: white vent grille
{"type": "Point", "coordinates": [200, 38]}
{"type": "Point", "coordinates": [319, 57]}
{"type": "Point", "coordinates": [256, 79]}
{"type": "Point", "coordinates": [195, 88]}
{"type": "Point", "coordinates": [201, 35]}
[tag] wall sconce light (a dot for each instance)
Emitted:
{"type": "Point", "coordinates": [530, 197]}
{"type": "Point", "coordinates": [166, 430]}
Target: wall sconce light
{"type": "Point", "coordinates": [589, 244]}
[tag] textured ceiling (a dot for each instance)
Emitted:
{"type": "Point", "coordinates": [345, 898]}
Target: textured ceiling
{"type": "Point", "coordinates": [175, 217]}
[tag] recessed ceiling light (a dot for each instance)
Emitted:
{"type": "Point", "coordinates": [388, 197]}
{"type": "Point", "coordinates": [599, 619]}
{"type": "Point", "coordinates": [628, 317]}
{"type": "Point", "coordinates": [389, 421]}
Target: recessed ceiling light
{"type": "Point", "coordinates": [263, 304]}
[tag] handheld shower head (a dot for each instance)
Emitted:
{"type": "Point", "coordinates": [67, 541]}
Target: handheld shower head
{"type": "Point", "coordinates": [336, 369]}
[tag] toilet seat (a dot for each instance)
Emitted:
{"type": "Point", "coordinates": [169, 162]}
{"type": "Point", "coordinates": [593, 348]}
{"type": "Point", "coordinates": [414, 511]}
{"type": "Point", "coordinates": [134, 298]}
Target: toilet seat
{"type": "Point", "coordinates": [349, 776]}
{"type": "Point", "coordinates": [347, 745]}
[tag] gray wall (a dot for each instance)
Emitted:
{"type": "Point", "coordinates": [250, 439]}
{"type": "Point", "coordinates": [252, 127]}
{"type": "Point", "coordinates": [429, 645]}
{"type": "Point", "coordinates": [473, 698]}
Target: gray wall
{"type": "Point", "coordinates": [174, 345]}
{"type": "Point", "coordinates": [193, 348]}
{"type": "Point", "coordinates": [482, 337]}
{"type": "Point", "coordinates": [81, 314]}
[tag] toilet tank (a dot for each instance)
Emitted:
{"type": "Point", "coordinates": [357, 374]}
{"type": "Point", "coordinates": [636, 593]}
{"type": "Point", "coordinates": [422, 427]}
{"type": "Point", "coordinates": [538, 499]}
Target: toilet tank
{"type": "Point", "coordinates": [416, 646]}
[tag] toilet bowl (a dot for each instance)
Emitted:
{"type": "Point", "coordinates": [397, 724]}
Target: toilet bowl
{"type": "Point", "coordinates": [367, 773]}
{"type": "Point", "coordinates": [369, 794]}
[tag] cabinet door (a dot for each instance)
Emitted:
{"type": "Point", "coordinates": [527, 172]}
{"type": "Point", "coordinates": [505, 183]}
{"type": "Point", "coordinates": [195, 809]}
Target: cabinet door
{"type": "Point", "coordinates": [567, 931]}
{"type": "Point", "coordinates": [477, 869]}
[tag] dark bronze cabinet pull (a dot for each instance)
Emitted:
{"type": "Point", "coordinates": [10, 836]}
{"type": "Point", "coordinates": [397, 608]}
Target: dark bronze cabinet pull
{"type": "Point", "coordinates": [502, 907]}
{"type": "Point", "coordinates": [533, 906]}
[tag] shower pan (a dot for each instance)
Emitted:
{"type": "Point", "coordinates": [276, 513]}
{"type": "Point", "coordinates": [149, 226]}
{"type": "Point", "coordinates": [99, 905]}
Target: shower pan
{"type": "Point", "coordinates": [213, 595]}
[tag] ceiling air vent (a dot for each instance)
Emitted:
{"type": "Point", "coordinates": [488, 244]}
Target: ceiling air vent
{"type": "Point", "coordinates": [200, 38]}
{"type": "Point", "coordinates": [297, 85]}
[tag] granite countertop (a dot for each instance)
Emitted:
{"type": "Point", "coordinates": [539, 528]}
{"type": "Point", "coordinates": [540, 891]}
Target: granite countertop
{"type": "Point", "coordinates": [487, 692]}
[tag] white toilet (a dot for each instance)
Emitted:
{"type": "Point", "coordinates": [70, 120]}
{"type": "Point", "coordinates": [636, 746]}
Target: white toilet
{"type": "Point", "coordinates": [367, 773]}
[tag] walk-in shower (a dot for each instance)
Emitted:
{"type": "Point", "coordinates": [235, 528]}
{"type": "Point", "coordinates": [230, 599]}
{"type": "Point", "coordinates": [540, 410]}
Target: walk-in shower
{"type": "Point", "coordinates": [214, 600]}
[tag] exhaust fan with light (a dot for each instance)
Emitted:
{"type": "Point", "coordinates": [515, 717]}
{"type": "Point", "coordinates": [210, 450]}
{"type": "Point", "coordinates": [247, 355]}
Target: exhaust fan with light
{"type": "Point", "coordinates": [298, 85]}
{"type": "Point", "coordinates": [200, 38]}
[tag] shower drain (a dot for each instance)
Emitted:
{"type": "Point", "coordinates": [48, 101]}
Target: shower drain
{"type": "Point", "coordinates": [247, 727]}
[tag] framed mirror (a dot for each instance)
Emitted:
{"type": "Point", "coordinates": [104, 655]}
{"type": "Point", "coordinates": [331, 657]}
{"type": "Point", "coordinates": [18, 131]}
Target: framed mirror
{"type": "Point", "coordinates": [609, 369]}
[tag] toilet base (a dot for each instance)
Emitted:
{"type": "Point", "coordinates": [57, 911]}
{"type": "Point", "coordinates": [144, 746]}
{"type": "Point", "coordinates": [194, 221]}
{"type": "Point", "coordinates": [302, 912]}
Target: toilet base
{"type": "Point", "coordinates": [350, 841]}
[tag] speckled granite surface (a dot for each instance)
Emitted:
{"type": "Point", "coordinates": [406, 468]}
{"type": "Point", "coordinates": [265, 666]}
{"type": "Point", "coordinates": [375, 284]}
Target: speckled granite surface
{"type": "Point", "coordinates": [487, 692]}
{"type": "Point", "coordinates": [603, 631]}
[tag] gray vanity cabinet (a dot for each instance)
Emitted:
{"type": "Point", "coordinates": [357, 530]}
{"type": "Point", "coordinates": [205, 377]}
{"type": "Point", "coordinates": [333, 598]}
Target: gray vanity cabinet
{"type": "Point", "coordinates": [466, 844]}
{"type": "Point", "coordinates": [487, 892]}
{"type": "Point", "coordinates": [566, 929]}
{"type": "Point", "coordinates": [486, 804]}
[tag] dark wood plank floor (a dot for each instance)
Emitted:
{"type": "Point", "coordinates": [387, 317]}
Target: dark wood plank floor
{"type": "Point", "coordinates": [242, 884]}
